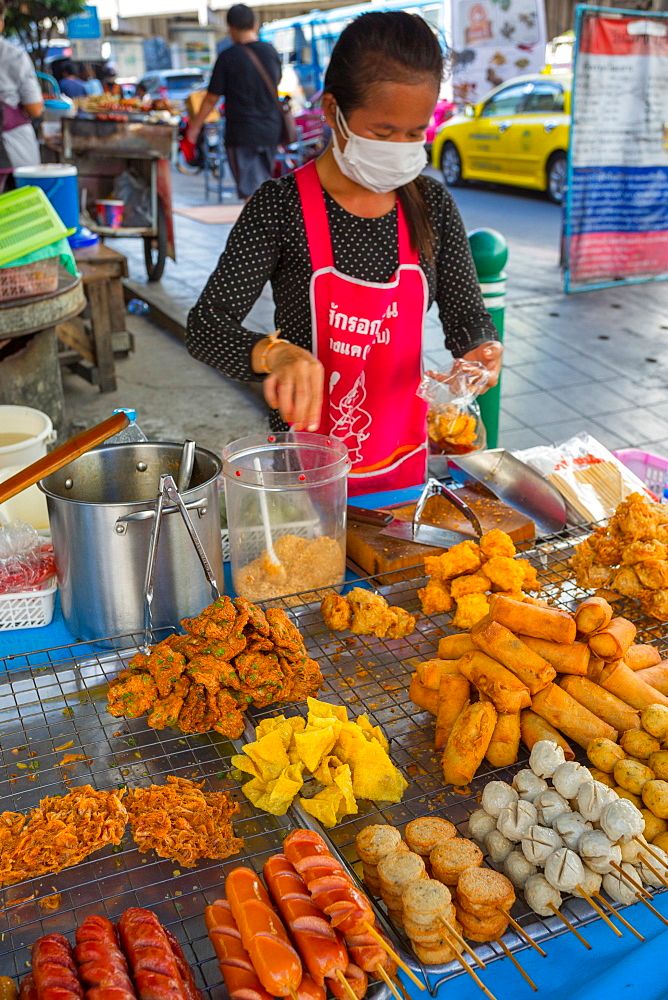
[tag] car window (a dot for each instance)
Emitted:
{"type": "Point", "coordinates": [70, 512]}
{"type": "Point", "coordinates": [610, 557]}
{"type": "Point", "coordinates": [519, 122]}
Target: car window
{"type": "Point", "coordinates": [186, 82]}
{"type": "Point", "coordinates": [507, 101]}
{"type": "Point", "coordinates": [545, 97]}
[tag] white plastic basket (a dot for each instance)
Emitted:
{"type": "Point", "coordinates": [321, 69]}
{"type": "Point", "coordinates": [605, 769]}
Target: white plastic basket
{"type": "Point", "coordinates": [29, 608]}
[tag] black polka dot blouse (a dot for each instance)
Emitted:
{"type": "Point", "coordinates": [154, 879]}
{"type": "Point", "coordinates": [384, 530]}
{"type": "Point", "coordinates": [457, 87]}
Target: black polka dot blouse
{"type": "Point", "coordinates": [268, 243]}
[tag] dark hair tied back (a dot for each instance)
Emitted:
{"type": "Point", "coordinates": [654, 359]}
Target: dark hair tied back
{"type": "Point", "coordinates": [387, 47]}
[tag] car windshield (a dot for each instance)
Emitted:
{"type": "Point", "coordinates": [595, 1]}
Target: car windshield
{"type": "Point", "coordinates": [183, 82]}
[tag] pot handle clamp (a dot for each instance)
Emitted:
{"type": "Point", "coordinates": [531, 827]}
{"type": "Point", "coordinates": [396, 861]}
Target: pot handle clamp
{"type": "Point", "coordinates": [435, 488]}
{"type": "Point", "coordinates": [169, 493]}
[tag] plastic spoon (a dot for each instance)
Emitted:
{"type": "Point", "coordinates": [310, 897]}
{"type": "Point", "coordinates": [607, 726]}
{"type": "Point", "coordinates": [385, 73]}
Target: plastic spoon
{"type": "Point", "coordinates": [277, 568]}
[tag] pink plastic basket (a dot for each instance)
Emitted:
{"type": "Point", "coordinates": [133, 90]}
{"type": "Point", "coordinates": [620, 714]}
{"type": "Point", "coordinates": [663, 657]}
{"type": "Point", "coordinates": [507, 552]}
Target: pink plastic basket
{"type": "Point", "coordinates": [652, 469]}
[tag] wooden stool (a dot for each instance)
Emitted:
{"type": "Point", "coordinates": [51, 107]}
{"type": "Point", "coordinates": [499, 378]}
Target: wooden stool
{"type": "Point", "coordinates": [93, 340]}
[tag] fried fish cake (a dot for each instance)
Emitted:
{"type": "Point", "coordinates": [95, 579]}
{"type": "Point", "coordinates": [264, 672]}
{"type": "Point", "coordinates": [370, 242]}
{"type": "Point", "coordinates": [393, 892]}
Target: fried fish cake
{"type": "Point", "coordinates": [215, 622]}
{"type": "Point", "coordinates": [229, 721]}
{"type": "Point", "coordinates": [283, 633]}
{"type": "Point", "coordinates": [165, 666]}
{"type": "Point", "coordinates": [256, 621]}
{"type": "Point", "coordinates": [165, 713]}
{"type": "Point", "coordinates": [131, 695]}
{"type": "Point", "coordinates": [213, 673]}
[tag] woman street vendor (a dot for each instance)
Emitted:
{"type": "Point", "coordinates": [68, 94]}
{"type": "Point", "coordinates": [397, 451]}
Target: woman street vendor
{"type": "Point", "coordinates": [357, 245]}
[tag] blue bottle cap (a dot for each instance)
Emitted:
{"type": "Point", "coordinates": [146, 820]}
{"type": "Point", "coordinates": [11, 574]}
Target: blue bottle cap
{"type": "Point", "coordinates": [131, 414]}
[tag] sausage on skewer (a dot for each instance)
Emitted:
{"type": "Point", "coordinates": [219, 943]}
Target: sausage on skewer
{"type": "Point", "coordinates": [150, 957]}
{"type": "Point", "coordinates": [102, 967]}
{"type": "Point", "coordinates": [54, 973]}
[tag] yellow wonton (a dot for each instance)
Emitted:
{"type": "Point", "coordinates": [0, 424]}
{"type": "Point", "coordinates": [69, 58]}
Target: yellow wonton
{"type": "Point", "coordinates": [375, 776]}
{"type": "Point", "coordinates": [326, 769]}
{"type": "Point", "coordinates": [323, 710]}
{"type": "Point", "coordinates": [344, 782]}
{"type": "Point", "coordinates": [268, 754]}
{"type": "Point", "coordinates": [374, 732]}
{"type": "Point", "coordinates": [313, 744]}
{"type": "Point", "coordinates": [275, 796]}
{"type": "Point", "coordinates": [325, 805]}
{"type": "Point", "coordinates": [351, 740]}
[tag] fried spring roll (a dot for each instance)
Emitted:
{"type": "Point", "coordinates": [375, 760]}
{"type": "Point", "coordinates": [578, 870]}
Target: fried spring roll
{"type": "Point", "coordinates": [596, 667]}
{"type": "Point", "coordinates": [534, 728]}
{"type": "Point", "coordinates": [505, 743]}
{"type": "Point", "coordinates": [593, 614]}
{"type": "Point", "coordinates": [560, 709]}
{"type": "Point", "coordinates": [429, 672]}
{"type": "Point", "coordinates": [530, 619]}
{"type": "Point", "coordinates": [602, 703]}
{"type": "Point", "coordinates": [422, 696]}
{"type": "Point", "coordinates": [630, 686]}
{"type": "Point", "coordinates": [500, 643]}
{"type": "Point", "coordinates": [566, 658]}
{"type": "Point", "coordinates": [470, 737]}
{"type": "Point", "coordinates": [451, 647]}
{"type": "Point", "coordinates": [641, 655]}
{"type": "Point", "coordinates": [612, 642]}
{"type": "Point", "coordinates": [504, 689]}
{"type": "Point", "coordinates": [453, 697]}
{"type": "Point", "coordinates": [656, 677]}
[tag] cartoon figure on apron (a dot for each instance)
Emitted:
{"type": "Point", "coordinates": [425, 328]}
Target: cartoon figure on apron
{"type": "Point", "coordinates": [350, 422]}
{"type": "Point", "coordinates": [368, 336]}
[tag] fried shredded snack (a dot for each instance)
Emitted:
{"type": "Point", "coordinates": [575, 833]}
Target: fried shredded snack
{"type": "Point", "coordinates": [365, 613]}
{"type": "Point", "coordinates": [233, 655]}
{"type": "Point", "coordinates": [60, 832]}
{"type": "Point", "coordinates": [181, 822]}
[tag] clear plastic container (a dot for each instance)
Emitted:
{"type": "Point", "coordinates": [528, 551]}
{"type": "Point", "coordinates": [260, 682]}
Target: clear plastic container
{"type": "Point", "coordinates": [286, 497]}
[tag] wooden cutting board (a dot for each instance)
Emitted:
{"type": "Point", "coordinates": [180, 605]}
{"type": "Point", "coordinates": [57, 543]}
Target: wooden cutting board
{"type": "Point", "coordinates": [375, 553]}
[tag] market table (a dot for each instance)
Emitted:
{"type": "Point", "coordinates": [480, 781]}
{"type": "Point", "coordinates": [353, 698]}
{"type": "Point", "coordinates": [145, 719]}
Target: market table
{"type": "Point", "coordinates": [615, 967]}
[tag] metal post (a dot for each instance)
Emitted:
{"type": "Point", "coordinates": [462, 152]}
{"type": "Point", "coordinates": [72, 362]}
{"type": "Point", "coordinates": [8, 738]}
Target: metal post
{"type": "Point", "coordinates": [490, 254]}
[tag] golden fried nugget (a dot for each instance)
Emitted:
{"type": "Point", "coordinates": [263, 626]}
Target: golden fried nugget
{"type": "Point", "coordinates": [475, 583]}
{"type": "Point", "coordinates": [530, 581]}
{"type": "Point", "coordinates": [504, 573]}
{"type": "Point", "coordinates": [607, 551]}
{"type": "Point", "coordinates": [653, 573]}
{"type": "Point", "coordinates": [655, 603]}
{"type": "Point", "coordinates": [470, 610]}
{"type": "Point", "coordinates": [435, 598]}
{"type": "Point", "coordinates": [636, 518]}
{"type": "Point", "coordinates": [465, 557]}
{"type": "Point", "coordinates": [403, 623]}
{"type": "Point", "coordinates": [497, 543]}
{"type": "Point", "coordinates": [648, 548]}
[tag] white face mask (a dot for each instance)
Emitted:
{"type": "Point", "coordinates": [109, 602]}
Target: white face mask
{"type": "Point", "coordinates": [377, 164]}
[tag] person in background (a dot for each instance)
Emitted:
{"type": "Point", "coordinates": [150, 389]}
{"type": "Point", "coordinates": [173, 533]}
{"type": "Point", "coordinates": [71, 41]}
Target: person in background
{"type": "Point", "coordinates": [70, 84]}
{"type": "Point", "coordinates": [109, 84]}
{"type": "Point", "coordinates": [253, 121]}
{"type": "Point", "coordinates": [357, 245]}
{"type": "Point", "coordinates": [91, 83]}
{"type": "Point", "coordinates": [20, 102]}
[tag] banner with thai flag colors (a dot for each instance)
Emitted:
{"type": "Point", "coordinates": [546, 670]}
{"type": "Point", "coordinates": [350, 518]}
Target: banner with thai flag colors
{"type": "Point", "coordinates": [616, 210]}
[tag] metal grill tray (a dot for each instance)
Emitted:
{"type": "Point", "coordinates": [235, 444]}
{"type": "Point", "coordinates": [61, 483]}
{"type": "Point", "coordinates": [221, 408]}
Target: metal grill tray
{"type": "Point", "coordinates": [61, 697]}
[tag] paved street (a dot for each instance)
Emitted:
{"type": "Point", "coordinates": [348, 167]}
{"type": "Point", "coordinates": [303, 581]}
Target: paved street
{"type": "Point", "coordinates": [595, 360]}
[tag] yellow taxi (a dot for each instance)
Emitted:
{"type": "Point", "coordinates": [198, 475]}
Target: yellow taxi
{"type": "Point", "coordinates": [518, 134]}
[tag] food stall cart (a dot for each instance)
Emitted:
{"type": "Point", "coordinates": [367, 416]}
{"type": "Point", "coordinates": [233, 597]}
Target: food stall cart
{"type": "Point", "coordinates": [56, 734]}
{"type": "Point", "coordinates": [104, 145]}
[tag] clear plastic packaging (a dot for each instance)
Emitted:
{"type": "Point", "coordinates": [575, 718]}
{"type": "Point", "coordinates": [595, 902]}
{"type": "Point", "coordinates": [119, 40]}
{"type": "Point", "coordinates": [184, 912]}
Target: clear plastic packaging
{"type": "Point", "coordinates": [589, 477]}
{"type": "Point", "coordinates": [25, 560]}
{"type": "Point", "coordinates": [454, 423]}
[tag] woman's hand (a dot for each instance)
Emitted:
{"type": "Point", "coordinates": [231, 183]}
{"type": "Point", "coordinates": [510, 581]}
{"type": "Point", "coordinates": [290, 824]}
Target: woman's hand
{"type": "Point", "coordinates": [295, 385]}
{"type": "Point", "coordinates": [489, 354]}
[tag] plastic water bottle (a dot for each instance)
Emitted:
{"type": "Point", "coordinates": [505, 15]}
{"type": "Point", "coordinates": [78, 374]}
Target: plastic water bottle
{"type": "Point", "coordinates": [137, 307]}
{"type": "Point", "coordinates": [132, 434]}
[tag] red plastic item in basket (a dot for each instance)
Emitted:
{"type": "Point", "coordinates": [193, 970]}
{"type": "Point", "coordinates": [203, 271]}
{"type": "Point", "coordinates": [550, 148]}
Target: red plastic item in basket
{"type": "Point", "coordinates": [38, 278]}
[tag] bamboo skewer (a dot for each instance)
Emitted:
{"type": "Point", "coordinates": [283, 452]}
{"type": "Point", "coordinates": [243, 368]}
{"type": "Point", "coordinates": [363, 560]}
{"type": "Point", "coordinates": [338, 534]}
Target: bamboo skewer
{"type": "Point", "coordinates": [388, 982]}
{"type": "Point", "coordinates": [460, 940]}
{"type": "Point", "coordinates": [527, 937]}
{"type": "Point", "coordinates": [293, 994]}
{"type": "Point", "coordinates": [650, 850]}
{"type": "Point", "coordinates": [566, 922]}
{"type": "Point", "coordinates": [349, 991]}
{"type": "Point", "coordinates": [402, 989]}
{"type": "Point", "coordinates": [615, 913]}
{"type": "Point", "coordinates": [393, 955]}
{"type": "Point", "coordinates": [655, 871]}
{"type": "Point", "coordinates": [602, 914]}
{"type": "Point", "coordinates": [641, 892]}
{"type": "Point", "coordinates": [508, 953]}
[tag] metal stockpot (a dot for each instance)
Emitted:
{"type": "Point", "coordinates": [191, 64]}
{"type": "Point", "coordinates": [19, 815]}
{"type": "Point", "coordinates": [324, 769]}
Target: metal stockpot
{"type": "Point", "coordinates": [101, 509]}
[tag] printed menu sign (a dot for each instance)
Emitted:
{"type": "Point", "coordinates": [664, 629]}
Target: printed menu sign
{"type": "Point", "coordinates": [617, 201]}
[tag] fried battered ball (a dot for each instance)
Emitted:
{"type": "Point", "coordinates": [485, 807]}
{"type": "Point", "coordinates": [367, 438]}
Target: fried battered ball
{"type": "Point", "coordinates": [655, 603]}
{"type": "Point", "coordinates": [336, 612]}
{"type": "Point", "coordinates": [639, 744]}
{"type": "Point", "coordinates": [402, 625]}
{"type": "Point", "coordinates": [465, 557]}
{"type": "Point", "coordinates": [476, 583]}
{"type": "Point", "coordinates": [632, 775]}
{"type": "Point", "coordinates": [659, 764]}
{"type": "Point", "coordinates": [648, 548]}
{"type": "Point", "coordinates": [635, 518]}
{"type": "Point", "coordinates": [654, 720]}
{"type": "Point", "coordinates": [604, 754]}
{"type": "Point", "coordinates": [626, 581]}
{"type": "Point", "coordinates": [436, 598]}
{"type": "Point", "coordinates": [497, 543]}
{"type": "Point", "coordinates": [653, 573]}
{"type": "Point", "coordinates": [504, 573]}
{"type": "Point", "coordinates": [655, 797]}
{"type": "Point", "coordinates": [470, 610]}
{"type": "Point", "coordinates": [607, 551]}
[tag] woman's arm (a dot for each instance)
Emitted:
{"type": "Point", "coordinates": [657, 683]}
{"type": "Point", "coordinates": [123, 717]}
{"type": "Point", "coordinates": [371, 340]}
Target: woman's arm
{"type": "Point", "coordinates": [469, 330]}
{"type": "Point", "coordinates": [215, 332]}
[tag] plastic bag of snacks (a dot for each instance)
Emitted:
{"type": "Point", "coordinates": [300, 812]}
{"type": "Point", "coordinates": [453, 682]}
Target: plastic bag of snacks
{"type": "Point", "coordinates": [25, 560]}
{"type": "Point", "coordinates": [454, 424]}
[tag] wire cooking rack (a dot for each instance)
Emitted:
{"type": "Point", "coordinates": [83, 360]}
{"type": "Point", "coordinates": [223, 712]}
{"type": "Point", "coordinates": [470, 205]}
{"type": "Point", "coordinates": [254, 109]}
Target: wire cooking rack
{"type": "Point", "coordinates": [53, 702]}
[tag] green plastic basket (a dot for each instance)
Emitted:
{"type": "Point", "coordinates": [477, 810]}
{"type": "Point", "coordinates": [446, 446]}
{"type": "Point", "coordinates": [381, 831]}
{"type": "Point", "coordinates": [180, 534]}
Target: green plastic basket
{"type": "Point", "coordinates": [28, 222]}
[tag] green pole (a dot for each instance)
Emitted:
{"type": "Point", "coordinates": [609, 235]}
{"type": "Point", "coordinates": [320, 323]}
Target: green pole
{"type": "Point", "coordinates": [490, 254]}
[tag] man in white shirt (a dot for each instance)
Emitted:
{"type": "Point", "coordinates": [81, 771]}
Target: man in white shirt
{"type": "Point", "coordinates": [20, 101]}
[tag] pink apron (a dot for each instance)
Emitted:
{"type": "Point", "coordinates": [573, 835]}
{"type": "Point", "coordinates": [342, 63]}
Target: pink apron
{"type": "Point", "coordinates": [368, 335]}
